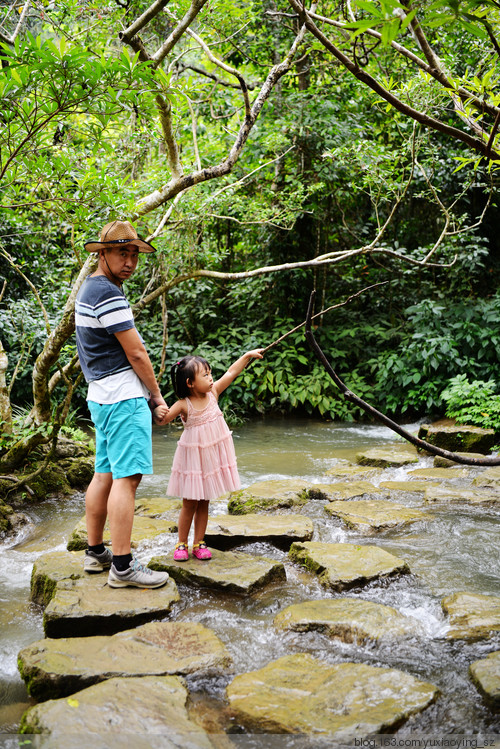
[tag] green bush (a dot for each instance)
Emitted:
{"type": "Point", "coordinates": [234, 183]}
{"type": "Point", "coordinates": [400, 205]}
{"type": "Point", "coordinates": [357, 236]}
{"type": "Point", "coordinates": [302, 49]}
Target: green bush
{"type": "Point", "coordinates": [475, 403]}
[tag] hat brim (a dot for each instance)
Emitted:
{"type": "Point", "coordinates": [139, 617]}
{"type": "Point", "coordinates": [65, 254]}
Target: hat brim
{"type": "Point", "coordinates": [141, 244]}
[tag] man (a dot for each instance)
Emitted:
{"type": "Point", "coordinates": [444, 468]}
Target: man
{"type": "Point", "coordinates": [121, 381]}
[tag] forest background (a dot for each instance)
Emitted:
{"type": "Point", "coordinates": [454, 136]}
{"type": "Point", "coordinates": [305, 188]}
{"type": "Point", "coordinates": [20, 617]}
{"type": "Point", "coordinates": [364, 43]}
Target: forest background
{"type": "Point", "coordinates": [266, 149]}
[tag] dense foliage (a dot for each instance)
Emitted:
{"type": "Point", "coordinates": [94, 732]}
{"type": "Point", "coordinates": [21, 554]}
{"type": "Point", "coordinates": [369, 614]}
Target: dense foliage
{"type": "Point", "coordinates": [95, 129]}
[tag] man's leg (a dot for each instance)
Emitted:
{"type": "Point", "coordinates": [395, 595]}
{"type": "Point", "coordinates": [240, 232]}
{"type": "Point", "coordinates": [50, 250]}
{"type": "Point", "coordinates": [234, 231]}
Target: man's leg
{"type": "Point", "coordinates": [121, 503]}
{"type": "Point", "coordinates": [96, 504]}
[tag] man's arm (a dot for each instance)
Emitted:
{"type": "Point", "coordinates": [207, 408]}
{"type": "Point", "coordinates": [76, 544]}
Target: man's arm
{"type": "Point", "coordinates": [140, 362]}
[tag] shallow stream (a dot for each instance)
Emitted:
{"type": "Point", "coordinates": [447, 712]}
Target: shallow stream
{"type": "Point", "coordinates": [457, 550]}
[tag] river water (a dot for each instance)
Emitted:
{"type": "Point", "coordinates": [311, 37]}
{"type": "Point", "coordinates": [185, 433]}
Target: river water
{"type": "Point", "coordinates": [455, 551]}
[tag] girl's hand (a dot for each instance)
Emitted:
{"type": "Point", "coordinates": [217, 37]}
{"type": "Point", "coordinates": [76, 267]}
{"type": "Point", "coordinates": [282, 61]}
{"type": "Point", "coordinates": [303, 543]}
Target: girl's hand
{"type": "Point", "coordinates": [159, 414]}
{"type": "Point", "coordinates": [256, 353]}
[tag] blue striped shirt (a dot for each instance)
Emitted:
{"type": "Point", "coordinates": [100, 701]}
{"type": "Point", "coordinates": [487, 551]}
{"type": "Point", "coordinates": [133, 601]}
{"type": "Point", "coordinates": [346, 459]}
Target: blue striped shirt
{"type": "Point", "coordinates": [101, 310]}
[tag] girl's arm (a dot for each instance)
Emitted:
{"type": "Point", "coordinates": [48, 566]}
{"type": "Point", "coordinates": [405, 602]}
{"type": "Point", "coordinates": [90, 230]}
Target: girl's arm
{"type": "Point", "coordinates": [179, 408]}
{"type": "Point", "coordinates": [236, 369]}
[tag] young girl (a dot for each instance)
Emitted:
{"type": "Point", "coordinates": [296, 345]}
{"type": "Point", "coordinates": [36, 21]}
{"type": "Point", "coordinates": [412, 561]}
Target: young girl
{"type": "Point", "coordinates": [204, 465]}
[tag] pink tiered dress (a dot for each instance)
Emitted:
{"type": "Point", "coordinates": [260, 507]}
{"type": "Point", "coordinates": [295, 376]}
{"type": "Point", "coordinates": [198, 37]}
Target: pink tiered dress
{"type": "Point", "coordinates": [204, 465]}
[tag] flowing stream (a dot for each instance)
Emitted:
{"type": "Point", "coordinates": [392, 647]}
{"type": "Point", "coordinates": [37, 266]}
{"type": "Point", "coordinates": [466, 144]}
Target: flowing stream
{"type": "Point", "coordinates": [457, 550]}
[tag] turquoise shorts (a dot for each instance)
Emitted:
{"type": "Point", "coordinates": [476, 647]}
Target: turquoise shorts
{"type": "Point", "coordinates": [123, 444]}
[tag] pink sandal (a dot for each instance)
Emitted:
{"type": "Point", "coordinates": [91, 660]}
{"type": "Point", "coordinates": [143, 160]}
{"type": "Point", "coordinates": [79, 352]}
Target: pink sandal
{"type": "Point", "coordinates": [201, 551]}
{"type": "Point", "coordinates": [181, 553]}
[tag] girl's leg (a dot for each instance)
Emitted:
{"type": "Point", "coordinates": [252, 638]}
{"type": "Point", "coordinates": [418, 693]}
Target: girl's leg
{"type": "Point", "coordinates": [200, 520]}
{"type": "Point", "coordinates": [186, 518]}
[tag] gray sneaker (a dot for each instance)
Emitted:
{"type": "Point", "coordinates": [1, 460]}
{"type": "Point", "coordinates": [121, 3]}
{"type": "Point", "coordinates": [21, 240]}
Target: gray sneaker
{"type": "Point", "coordinates": [97, 562]}
{"type": "Point", "coordinates": [137, 575]}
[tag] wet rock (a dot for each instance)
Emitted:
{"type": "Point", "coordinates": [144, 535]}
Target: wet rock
{"type": "Point", "coordinates": [348, 619]}
{"type": "Point", "coordinates": [456, 438]}
{"type": "Point", "coordinates": [489, 477]}
{"type": "Point", "coordinates": [485, 674]}
{"type": "Point", "coordinates": [349, 471]}
{"type": "Point", "coordinates": [388, 456]}
{"type": "Point", "coordinates": [343, 566]}
{"type": "Point", "coordinates": [345, 490]}
{"type": "Point", "coordinates": [465, 496]}
{"type": "Point", "coordinates": [49, 569]}
{"type": "Point", "coordinates": [56, 668]}
{"type": "Point", "coordinates": [416, 487]}
{"type": "Point", "coordinates": [301, 694]}
{"type": "Point", "coordinates": [225, 531]}
{"type": "Point", "coordinates": [374, 515]}
{"type": "Point", "coordinates": [232, 572]}
{"type": "Point", "coordinates": [443, 474]}
{"type": "Point", "coordinates": [269, 496]}
{"type": "Point", "coordinates": [146, 527]}
{"type": "Point", "coordinates": [80, 472]}
{"type": "Point", "coordinates": [159, 709]}
{"type": "Point", "coordinates": [472, 616]}
{"type": "Point", "coordinates": [440, 462]}
{"type": "Point", "coordinates": [158, 507]}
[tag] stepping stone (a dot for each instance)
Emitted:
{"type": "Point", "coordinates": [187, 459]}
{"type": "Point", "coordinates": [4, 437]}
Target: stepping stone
{"type": "Point", "coordinates": [471, 616]}
{"type": "Point", "coordinates": [100, 711]}
{"type": "Point", "coordinates": [88, 606]}
{"type": "Point", "coordinates": [157, 507]}
{"type": "Point", "coordinates": [350, 471]}
{"type": "Point", "coordinates": [415, 487]}
{"type": "Point", "coordinates": [231, 572]}
{"type": "Point", "coordinates": [459, 438]}
{"type": "Point", "coordinates": [345, 490]}
{"type": "Point", "coordinates": [485, 674]}
{"type": "Point", "coordinates": [300, 694]}
{"type": "Point", "coordinates": [443, 474]}
{"type": "Point", "coordinates": [145, 528]}
{"type": "Point", "coordinates": [267, 496]}
{"type": "Point", "coordinates": [486, 496]}
{"type": "Point", "coordinates": [440, 462]}
{"type": "Point", "coordinates": [57, 668]}
{"type": "Point", "coordinates": [489, 477]}
{"type": "Point", "coordinates": [343, 566]}
{"type": "Point", "coordinates": [50, 569]}
{"type": "Point", "coordinates": [348, 619]}
{"type": "Point", "coordinates": [225, 531]}
{"type": "Point", "coordinates": [391, 456]}
{"type": "Point", "coordinates": [374, 515]}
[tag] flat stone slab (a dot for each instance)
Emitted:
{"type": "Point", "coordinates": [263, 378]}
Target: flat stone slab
{"type": "Point", "coordinates": [443, 474]}
{"type": "Point", "coordinates": [440, 462]}
{"type": "Point", "coordinates": [344, 490]}
{"type": "Point", "coordinates": [486, 496]}
{"type": "Point", "coordinates": [391, 456]}
{"type": "Point", "coordinates": [88, 606]}
{"type": "Point", "coordinates": [225, 531]}
{"type": "Point", "coordinates": [157, 507]}
{"type": "Point", "coordinates": [269, 496]}
{"type": "Point", "coordinates": [489, 477]}
{"type": "Point", "coordinates": [301, 694]}
{"type": "Point", "coordinates": [50, 569]}
{"type": "Point", "coordinates": [57, 668]}
{"type": "Point", "coordinates": [231, 572]}
{"type": "Point", "coordinates": [459, 438]}
{"type": "Point", "coordinates": [145, 527]}
{"type": "Point", "coordinates": [472, 616]}
{"type": "Point", "coordinates": [159, 709]}
{"type": "Point", "coordinates": [485, 674]}
{"type": "Point", "coordinates": [343, 566]}
{"type": "Point", "coordinates": [351, 471]}
{"type": "Point", "coordinates": [412, 487]}
{"type": "Point", "coordinates": [374, 514]}
{"type": "Point", "coordinates": [348, 619]}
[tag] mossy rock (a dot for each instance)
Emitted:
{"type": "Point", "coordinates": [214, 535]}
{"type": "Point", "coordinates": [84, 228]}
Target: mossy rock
{"type": "Point", "coordinates": [269, 496]}
{"type": "Point", "coordinates": [80, 472]}
{"type": "Point", "coordinates": [467, 439]}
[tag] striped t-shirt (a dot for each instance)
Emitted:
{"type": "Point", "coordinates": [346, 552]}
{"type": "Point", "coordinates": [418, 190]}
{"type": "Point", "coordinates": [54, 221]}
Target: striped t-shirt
{"type": "Point", "coordinates": [101, 310]}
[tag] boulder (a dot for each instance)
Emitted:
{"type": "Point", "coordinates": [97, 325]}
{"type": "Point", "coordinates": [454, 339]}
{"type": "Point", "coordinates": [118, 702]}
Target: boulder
{"type": "Point", "coordinates": [348, 619]}
{"type": "Point", "coordinates": [339, 702]}
{"type": "Point", "coordinates": [57, 668]}
{"type": "Point", "coordinates": [455, 438]}
{"type": "Point", "coordinates": [374, 515]}
{"type": "Point", "coordinates": [487, 496]}
{"type": "Point", "coordinates": [225, 531]}
{"type": "Point", "coordinates": [472, 616]}
{"type": "Point", "coordinates": [231, 572]}
{"type": "Point", "coordinates": [269, 496]}
{"type": "Point", "coordinates": [343, 566]}
{"type": "Point", "coordinates": [146, 527]}
{"type": "Point", "coordinates": [390, 456]}
{"type": "Point", "coordinates": [88, 606]}
{"type": "Point", "coordinates": [485, 674]}
{"type": "Point", "coordinates": [80, 472]}
{"type": "Point", "coordinates": [103, 711]}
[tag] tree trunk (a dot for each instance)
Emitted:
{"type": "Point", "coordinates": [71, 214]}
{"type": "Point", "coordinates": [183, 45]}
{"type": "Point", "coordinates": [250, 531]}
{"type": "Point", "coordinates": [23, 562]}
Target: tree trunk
{"type": "Point", "coordinates": [5, 409]}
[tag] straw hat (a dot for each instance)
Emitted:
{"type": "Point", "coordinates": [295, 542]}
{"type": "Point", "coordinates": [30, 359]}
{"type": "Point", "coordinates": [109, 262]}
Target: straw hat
{"type": "Point", "coordinates": [116, 233]}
